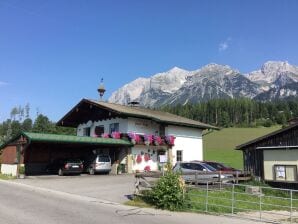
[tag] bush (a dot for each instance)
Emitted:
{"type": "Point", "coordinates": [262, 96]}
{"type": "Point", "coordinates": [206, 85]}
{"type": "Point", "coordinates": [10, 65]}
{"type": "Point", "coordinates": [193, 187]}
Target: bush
{"type": "Point", "coordinates": [168, 193]}
{"type": "Point", "coordinates": [22, 169]}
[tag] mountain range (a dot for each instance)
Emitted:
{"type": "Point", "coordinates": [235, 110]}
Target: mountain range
{"type": "Point", "coordinates": [275, 80]}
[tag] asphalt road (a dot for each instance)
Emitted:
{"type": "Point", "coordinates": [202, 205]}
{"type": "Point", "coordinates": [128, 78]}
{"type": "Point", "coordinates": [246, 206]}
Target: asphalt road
{"type": "Point", "coordinates": [24, 204]}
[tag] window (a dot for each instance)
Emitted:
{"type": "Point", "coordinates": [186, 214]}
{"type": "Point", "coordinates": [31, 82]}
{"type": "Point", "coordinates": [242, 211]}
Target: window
{"type": "Point", "coordinates": [179, 156]}
{"type": "Point", "coordinates": [195, 166]}
{"type": "Point", "coordinates": [99, 130]}
{"type": "Point", "coordinates": [114, 127]}
{"type": "Point", "coordinates": [86, 131]}
{"type": "Point", "coordinates": [285, 172]}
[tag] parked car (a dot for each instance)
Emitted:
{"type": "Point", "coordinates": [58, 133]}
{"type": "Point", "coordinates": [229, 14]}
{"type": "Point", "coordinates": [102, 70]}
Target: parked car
{"type": "Point", "coordinates": [220, 166]}
{"type": "Point", "coordinates": [66, 166]}
{"type": "Point", "coordinates": [101, 164]}
{"type": "Point", "coordinates": [206, 172]}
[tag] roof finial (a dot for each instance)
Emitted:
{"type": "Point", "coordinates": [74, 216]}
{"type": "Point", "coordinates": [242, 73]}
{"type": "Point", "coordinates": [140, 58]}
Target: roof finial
{"type": "Point", "coordinates": [101, 89]}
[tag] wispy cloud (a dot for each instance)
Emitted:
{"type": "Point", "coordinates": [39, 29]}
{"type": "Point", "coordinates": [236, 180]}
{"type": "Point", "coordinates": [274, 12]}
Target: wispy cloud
{"type": "Point", "coordinates": [224, 45]}
{"type": "Point", "coordinates": [3, 83]}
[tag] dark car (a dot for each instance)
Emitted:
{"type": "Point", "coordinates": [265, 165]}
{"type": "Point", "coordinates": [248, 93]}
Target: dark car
{"type": "Point", "coordinates": [220, 166]}
{"type": "Point", "coordinates": [66, 166]}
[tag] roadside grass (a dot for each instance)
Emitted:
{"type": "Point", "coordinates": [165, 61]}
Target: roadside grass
{"type": "Point", "coordinates": [6, 177]}
{"type": "Point", "coordinates": [220, 145]}
{"type": "Point", "coordinates": [138, 202]}
{"type": "Point", "coordinates": [220, 201]}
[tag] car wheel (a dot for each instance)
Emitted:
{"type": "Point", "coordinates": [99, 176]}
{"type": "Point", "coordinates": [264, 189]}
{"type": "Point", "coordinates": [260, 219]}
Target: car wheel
{"type": "Point", "coordinates": [91, 171]}
{"type": "Point", "coordinates": [60, 172]}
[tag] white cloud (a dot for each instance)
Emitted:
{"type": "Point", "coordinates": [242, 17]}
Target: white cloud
{"type": "Point", "coordinates": [224, 45]}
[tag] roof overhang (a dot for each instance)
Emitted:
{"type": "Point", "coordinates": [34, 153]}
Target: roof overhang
{"type": "Point", "coordinates": [87, 110]}
{"type": "Point", "coordinates": [67, 139]}
{"type": "Point", "coordinates": [84, 111]}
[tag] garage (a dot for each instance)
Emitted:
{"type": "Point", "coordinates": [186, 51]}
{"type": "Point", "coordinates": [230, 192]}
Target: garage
{"type": "Point", "coordinates": [37, 150]}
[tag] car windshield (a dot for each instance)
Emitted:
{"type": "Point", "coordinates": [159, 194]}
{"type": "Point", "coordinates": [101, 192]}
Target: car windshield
{"type": "Point", "coordinates": [211, 168]}
{"type": "Point", "coordinates": [103, 159]}
{"type": "Point", "coordinates": [216, 165]}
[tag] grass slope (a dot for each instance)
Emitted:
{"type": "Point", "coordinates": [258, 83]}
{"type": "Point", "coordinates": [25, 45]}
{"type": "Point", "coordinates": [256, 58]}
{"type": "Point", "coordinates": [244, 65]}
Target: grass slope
{"type": "Point", "coordinates": [220, 145]}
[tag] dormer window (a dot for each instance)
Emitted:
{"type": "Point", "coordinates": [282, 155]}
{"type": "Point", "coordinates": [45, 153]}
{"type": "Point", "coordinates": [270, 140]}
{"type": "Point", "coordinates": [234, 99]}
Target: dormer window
{"type": "Point", "coordinates": [114, 127]}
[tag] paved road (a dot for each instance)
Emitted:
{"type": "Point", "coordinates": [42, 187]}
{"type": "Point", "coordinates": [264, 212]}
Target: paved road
{"type": "Point", "coordinates": [23, 204]}
{"type": "Point", "coordinates": [114, 188]}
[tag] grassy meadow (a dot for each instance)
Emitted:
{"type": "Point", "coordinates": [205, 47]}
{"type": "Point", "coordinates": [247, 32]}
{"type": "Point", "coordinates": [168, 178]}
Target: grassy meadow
{"type": "Point", "coordinates": [220, 145]}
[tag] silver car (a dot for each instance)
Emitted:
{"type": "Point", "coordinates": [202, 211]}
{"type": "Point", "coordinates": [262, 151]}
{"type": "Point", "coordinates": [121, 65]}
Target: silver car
{"type": "Point", "coordinates": [101, 164]}
{"type": "Point", "coordinates": [205, 172]}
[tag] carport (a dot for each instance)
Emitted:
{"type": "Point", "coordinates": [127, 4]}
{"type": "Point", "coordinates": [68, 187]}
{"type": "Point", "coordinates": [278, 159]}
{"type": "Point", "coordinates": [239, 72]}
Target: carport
{"type": "Point", "coordinates": [37, 150]}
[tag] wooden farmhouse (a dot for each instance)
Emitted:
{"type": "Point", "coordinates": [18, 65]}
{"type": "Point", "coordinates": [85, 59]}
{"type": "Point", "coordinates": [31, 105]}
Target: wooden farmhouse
{"type": "Point", "coordinates": [273, 157]}
{"type": "Point", "coordinates": [136, 137]}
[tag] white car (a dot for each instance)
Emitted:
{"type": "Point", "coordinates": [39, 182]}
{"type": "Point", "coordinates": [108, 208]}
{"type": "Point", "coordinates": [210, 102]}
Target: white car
{"type": "Point", "coordinates": [206, 173]}
{"type": "Point", "coordinates": [101, 164]}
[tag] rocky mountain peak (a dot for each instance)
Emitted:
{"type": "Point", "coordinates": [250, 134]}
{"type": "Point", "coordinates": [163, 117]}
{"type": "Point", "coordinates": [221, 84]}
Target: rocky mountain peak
{"type": "Point", "coordinates": [211, 81]}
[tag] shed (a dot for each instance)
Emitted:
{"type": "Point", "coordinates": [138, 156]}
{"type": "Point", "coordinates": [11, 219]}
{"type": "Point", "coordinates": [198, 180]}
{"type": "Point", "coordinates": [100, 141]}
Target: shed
{"type": "Point", "coordinates": [273, 157]}
{"type": "Point", "coordinates": [36, 150]}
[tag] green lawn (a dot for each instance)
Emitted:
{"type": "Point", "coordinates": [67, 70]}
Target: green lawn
{"type": "Point", "coordinates": [220, 201]}
{"type": "Point", "coordinates": [220, 145]}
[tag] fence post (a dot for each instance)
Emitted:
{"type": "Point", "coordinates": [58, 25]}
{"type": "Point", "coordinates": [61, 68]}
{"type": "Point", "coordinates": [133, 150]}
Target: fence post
{"type": "Point", "coordinates": [233, 198]}
{"type": "Point", "coordinates": [137, 185]}
{"type": "Point", "coordinates": [237, 176]}
{"type": "Point", "coordinates": [291, 211]}
{"type": "Point", "coordinates": [196, 178]}
{"type": "Point", "coordinates": [260, 205]}
{"type": "Point", "coordinates": [207, 189]}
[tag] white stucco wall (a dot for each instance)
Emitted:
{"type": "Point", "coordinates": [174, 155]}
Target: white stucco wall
{"type": "Point", "coordinates": [142, 126]}
{"type": "Point", "coordinates": [106, 123]}
{"type": "Point", "coordinates": [9, 169]}
{"type": "Point", "coordinates": [188, 140]}
{"type": "Point", "coordinates": [152, 163]}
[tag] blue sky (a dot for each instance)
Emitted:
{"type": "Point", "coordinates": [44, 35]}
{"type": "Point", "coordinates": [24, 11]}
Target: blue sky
{"type": "Point", "coordinates": [54, 53]}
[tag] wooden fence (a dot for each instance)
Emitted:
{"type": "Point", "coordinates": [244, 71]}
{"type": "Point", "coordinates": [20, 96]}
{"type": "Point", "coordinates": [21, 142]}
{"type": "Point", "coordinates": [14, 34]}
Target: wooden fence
{"type": "Point", "coordinates": [146, 180]}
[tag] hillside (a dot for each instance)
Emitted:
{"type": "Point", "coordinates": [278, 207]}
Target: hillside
{"type": "Point", "coordinates": [219, 145]}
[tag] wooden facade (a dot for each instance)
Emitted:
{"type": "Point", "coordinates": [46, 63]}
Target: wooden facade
{"type": "Point", "coordinates": [253, 151]}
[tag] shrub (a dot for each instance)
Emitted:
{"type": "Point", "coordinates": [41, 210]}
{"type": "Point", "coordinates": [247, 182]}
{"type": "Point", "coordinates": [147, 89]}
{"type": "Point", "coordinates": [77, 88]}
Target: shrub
{"type": "Point", "coordinates": [168, 193]}
{"type": "Point", "coordinates": [22, 169]}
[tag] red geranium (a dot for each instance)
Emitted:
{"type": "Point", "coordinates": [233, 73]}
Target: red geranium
{"type": "Point", "coordinates": [146, 157]}
{"type": "Point", "coordinates": [139, 159]}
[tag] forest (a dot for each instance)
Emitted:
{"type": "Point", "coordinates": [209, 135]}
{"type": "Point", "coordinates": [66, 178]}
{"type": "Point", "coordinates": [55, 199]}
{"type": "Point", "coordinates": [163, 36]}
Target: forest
{"type": "Point", "coordinates": [241, 112]}
{"type": "Point", "coordinates": [225, 113]}
{"type": "Point", "coordinates": [20, 120]}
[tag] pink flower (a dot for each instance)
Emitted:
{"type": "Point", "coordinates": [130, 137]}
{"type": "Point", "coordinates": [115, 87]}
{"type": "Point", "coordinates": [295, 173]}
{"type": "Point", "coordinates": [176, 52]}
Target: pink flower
{"type": "Point", "coordinates": [148, 139]}
{"type": "Point", "coordinates": [135, 138]}
{"type": "Point", "coordinates": [147, 168]}
{"type": "Point", "coordinates": [116, 135]}
{"type": "Point", "coordinates": [170, 139]}
{"type": "Point", "coordinates": [157, 140]}
{"type": "Point", "coordinates": [105, 135]}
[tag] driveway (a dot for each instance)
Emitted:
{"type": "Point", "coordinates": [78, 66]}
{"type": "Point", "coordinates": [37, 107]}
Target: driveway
{"type": "Point", "coordinates": [115, 188]}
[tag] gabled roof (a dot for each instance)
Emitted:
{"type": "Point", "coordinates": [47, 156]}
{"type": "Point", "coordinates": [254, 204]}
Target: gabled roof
{"type": "Point", "coordinates": [138, 112]}
{"type": "Point", "coordinates": [55, 138]}
{"type": "Point", "coordinates": [270, 135]}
